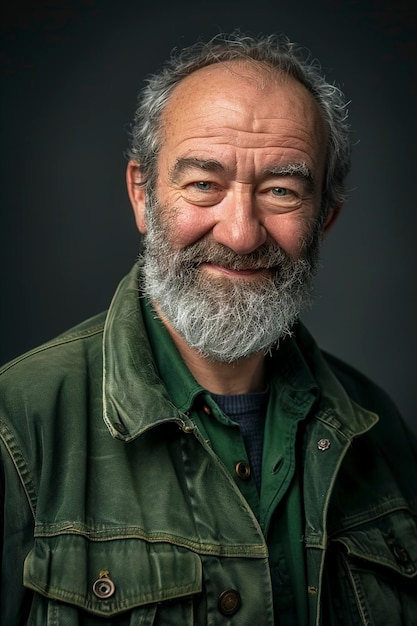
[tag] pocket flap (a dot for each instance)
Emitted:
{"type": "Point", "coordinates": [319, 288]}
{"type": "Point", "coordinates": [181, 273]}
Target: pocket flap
{"type": "Point", "coordinates": [389, 541]}
{"type": "Point", "coordinates": [71, 568]}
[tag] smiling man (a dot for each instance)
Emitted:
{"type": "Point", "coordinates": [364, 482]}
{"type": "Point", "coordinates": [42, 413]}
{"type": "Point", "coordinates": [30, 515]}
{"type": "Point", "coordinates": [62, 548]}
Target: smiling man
{"type": "Point", "coordinates": [191, 456]}
{"type": "Point", "coordinates": [233, 228]}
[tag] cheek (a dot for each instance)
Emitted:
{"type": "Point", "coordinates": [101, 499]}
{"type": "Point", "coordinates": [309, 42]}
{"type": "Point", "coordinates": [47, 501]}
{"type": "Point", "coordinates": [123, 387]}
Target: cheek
{"type": "Point", "coordinates": [289, 231]}
{"type": "Point", "coordinates": [187, 226]}
{"type": "Point", "coordinates": [192, 225]}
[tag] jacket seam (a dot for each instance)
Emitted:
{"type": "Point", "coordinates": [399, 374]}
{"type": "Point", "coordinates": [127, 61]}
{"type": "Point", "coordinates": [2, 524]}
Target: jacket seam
{"type": "Point", "coordinates": [395, 505]}
{"type": "Point", "coordinates": [58, 593]}
{"type": "Point", "coordinates": [85, 334]}
{"type": "Point", "coordinates": [256, 551]}
{"type": "Point", "coordinates": [22, 468]}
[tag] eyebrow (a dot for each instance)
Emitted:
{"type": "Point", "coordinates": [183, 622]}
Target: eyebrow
{"type": "Point", "coordinates": [296, 169]}
{"type": "Point", "coordinates": [184, 164]}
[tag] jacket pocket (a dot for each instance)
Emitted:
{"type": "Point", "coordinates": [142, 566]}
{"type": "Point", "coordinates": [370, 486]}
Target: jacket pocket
{"type": "Point", "coordinates": [372, 572]}
{"type": "Point", "coordinates": [78, 581]}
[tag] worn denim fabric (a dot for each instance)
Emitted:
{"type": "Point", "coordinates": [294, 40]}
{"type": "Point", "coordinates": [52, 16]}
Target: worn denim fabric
{"type": "Point", "coordinates": [118, 513]}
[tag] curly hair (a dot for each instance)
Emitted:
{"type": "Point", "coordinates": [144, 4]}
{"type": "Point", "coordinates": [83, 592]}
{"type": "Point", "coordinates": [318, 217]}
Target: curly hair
{"type": "Point", "coordinates": [272, 51]}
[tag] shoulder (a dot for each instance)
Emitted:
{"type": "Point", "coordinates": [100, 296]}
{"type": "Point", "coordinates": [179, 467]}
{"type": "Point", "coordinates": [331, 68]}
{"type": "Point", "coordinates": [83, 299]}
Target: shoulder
{"type": "Point", "coordinates": [384, 457]}
{"type": "Point", "coordinates": [326, 367]}
{"type": "Point", "coordinates": [392, 434]}
{"type": "Point", "coordinates": [391, 440]}
{"type": "Point", "coordinates": [359, 387]}
{"type": "Point", "coordinates": [68, 340]}
{"type": "Point", "coordinates": [32, 378]}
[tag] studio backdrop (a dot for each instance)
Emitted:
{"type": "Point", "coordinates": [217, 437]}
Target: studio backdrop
{"type": "Point", "coordinates": [70, 74]}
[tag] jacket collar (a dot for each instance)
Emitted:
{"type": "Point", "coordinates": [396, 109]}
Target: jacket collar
{"type": "Point", "coordinates": [336, 409]}
{"type": "Point", "coordinates": [134, 397]}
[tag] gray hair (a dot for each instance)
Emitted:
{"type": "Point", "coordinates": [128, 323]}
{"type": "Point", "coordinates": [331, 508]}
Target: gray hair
{"type": "Point", "coordinates": [273, 51]}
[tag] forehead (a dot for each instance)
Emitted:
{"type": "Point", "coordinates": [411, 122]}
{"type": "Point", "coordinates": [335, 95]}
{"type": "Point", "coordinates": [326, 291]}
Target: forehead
{"type": "Point", "coordinates": [238, 106]}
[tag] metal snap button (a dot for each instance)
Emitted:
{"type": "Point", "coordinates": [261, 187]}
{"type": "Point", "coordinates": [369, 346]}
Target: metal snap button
{"type": "Point", "coordinates": [243, 470]}
{"type": "Point", "coordinates": [400, 554]}
{"type": "Point", "coordinates": [104, 587]}
{"type": "Point", "coordinates": [229, 602]}
{"type": "Point", "coordinates": [323, 444]}
{"type": "Point", "coordinates": [121, 428]}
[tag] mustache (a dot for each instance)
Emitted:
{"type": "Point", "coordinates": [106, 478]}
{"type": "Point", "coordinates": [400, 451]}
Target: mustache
{"type": "Point", "coordinates": [267, 256]}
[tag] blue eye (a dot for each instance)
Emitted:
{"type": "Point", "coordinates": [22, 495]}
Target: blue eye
{"type": "Point", "coordinates": [203, 185]}
{"type": "Point", "coordinates": [279, 191]}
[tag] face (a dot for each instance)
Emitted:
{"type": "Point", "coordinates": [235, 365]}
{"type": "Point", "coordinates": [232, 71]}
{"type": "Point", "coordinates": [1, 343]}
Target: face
{"type": "Point", "coordinates": [234, 216]}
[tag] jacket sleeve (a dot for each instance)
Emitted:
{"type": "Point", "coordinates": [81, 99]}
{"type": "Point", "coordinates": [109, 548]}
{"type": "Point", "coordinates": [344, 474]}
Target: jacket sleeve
{"type": "Point", "coordinates": [2, 510]}
{"type": "Point", "coordinates": [16, 525]}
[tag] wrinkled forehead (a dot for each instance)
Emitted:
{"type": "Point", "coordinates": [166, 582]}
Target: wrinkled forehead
{"type": "Point", "coordinates": [241, 97]}
{"type": "Point", "coordinates": [244, 84]}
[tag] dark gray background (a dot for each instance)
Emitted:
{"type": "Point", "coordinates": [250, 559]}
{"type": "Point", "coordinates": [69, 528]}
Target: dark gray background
{"type": "Point", "coordinates": [70, 72]}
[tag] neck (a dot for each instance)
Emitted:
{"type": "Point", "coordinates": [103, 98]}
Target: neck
{"type": "Point", "coordinates": [245, 375]}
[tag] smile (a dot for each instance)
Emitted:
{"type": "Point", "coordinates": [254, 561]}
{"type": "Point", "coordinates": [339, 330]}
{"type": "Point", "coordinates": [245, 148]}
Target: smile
{"type": "Point", "coordinates": [237, 273]}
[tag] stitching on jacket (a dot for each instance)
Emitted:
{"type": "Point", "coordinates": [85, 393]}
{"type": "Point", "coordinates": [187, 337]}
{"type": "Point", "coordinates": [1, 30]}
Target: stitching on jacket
{"type": "Point", "coordinates": [20, 464]}
{"type": "Point", "coordinates": [84, 334]}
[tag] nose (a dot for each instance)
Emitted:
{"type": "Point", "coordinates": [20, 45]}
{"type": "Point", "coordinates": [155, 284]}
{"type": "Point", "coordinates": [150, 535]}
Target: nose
{"type": "Point", "coordinates": [238, 224]}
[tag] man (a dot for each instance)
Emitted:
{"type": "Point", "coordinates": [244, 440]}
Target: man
{"type": "Point", "coordinates": [191, 456]}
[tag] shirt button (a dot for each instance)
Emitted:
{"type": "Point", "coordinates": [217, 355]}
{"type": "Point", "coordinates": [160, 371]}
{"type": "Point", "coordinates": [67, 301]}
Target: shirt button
{"type": "Point", "coordinates": [229, 602]}
{"type": "Point", "coordinates": [207, 409]}
{"type": "Point", "coordinates": [243, 470]}
{"type": "Point", "coordinates": [104, 587]}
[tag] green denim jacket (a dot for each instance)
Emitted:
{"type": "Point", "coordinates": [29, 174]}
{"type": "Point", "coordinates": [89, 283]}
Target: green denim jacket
{"type": "Point", "coordinates": [117, 512]}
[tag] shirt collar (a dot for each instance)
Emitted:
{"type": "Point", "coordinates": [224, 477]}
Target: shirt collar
{"type": "Point", "coordinates": [287, 369]}
{"type": "Point", "coordinates": [179, 382]}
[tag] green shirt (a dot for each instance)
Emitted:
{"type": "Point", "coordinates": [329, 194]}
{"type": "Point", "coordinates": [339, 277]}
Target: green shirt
{"type": "Point", "coordinates": [278, 506]}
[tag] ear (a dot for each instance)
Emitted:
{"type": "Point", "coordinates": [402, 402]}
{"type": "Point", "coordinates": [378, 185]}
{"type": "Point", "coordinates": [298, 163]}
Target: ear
{"type": "Point", "coordinates": [136, 191]}
{"type": "Point", "coordinates": [331, 218]}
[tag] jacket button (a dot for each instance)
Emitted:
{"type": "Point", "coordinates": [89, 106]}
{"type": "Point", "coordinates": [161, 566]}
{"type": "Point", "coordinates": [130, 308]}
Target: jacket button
{"type": "Point", "coordinates": [104, 587]}
{"type": "Point", "coordinates": [243, 470]}
{"type": "Point", "coordinates": [400, 554]}
{"type": "Point", "coordinates": [229, 602]}
{"type": "Point", "coordinates": [121, 428]}
{"type": "Point", "coordinates": [323, 444]}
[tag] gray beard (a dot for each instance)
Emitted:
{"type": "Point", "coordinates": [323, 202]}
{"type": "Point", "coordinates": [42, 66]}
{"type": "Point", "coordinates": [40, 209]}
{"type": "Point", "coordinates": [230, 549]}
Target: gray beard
{"type": "Point", "coordinates": [225, 319]}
